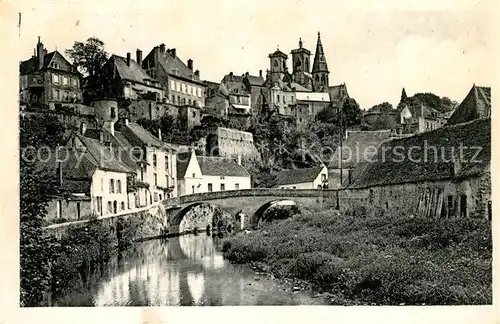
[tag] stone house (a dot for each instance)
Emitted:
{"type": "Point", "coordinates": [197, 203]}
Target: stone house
{"type": "Point", "coordinates": [435, 180]}
{"type": "Point", "coordinates": [307, 178]}
{"type": "Point", "coordinates": [477, 104]}
{"type": "Point", "coordinates": [198, 174]}
{"type": "Point", "coordinates": [48, 80]}
{"type": "Point", "coordinates": [160, 170]}
{"type": "Point", "coordinates": [92, 178]}
{"type": "Point", "coordinates": [420, 118]}
{"type": "Point", "coordinates": [182, 84]}
{"type": "Point", "coordinates": [358, 148]}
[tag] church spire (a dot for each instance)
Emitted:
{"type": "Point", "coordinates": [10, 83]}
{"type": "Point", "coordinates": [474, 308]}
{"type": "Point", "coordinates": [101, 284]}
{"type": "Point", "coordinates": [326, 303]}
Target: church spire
{"type": "Point", "coordinates": [319, 64]}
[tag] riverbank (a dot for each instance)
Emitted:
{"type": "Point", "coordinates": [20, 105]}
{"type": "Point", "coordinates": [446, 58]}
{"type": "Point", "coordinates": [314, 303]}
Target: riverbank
{"type": "Point", "coordinates": [381, 261]}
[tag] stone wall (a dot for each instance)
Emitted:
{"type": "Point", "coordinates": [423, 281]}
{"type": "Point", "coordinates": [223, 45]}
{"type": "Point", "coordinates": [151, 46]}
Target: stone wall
{"type": "Point", "coordinates": [467, 198]}
{"type": "Point", "coordinates": [68, 209]}
{"type": "Point", "coordinates": [232, 142]}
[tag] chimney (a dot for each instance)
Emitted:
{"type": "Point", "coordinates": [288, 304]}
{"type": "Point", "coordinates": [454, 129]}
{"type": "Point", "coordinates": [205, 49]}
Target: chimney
{"type": "Point", "coordinates": [138, 56]}
{"type": "Point", "coordinates": [59, 173]}
{"type": "Point", "coordinates": [40, 53]}
{"type": "Point", "coordinates": [128, 59]}
{"type": "Point", "coordinates": [173, 52]}
{"type": "Point", "coordinates": [190, 64]}
{"type": "Point", "coordinates": [162, 48]}
{"type": "Point", "coordinates": [159, 133]}
{"type": "Point", "coordinates": [260, 73]}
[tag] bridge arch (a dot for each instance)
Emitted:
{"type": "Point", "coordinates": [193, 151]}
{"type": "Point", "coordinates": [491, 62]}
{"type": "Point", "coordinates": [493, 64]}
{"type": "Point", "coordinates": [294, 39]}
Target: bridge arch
{"type": "Point", "coordinates": [259, 213]}
{"type": "Point", "coordinates": [199, 221]}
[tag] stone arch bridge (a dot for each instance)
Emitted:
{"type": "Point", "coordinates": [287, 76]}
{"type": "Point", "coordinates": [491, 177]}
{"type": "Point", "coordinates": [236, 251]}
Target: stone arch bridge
{"type": "Point", "coordinates": [251, 202]}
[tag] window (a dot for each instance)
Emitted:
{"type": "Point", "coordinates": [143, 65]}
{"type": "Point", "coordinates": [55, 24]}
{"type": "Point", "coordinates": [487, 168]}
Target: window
{"type": "Point", "coordinates": [102, 185]}
{"type": "Point", "coordinates": [192, 188]}
{"type": "Point", "coordinates": [156, 179]}
{"type": "Point", "coordinates": [278, 98]}
{"type": "Point", "coordinates": [74, 82]}
{"type": "Point", "coordinates": [154, 160]}
{"type": "Point", "coordinates": [155, 197]}
{"type": "Point", "coordinates": [111, 186]}
{"type": "Point", "coordinates": [237, 186]}
{"type": "Point", "coordinates": [323, 177]}
{"type": "Point", "coordinates": [450, 207]}
{"type": "Point", "coordinates": [199, 92]}
{"type": "Point", "coordinates": [112, 112]}
{"type": "Point", "coordinates": [166, 163]}
{"type": "Point", "coordinates": [189, 102]}
{"type": "Point", "coordinates": [178, 86]}
{"type": "Point", "coordinates": [172, 85]}
{"type": "Point", "coordinates": [300, 120]}
{"type": "Point", "coordinates": [194, 114]}
{"type": "Point", "coordinates": [210, 187]}
{"type": "Point", "coordinates": [110, 207]}
{"type": "Point", "coordinates": [55, 78]}
{"type": "Point", "coordinates": [118, 186]}
{"type": "Point", "coordinates": [194, 175]}
{"type": "Point", "coordinates": [65, 80]}
{"type": "Point", "coordinates": [276, 64]}
{"type": "Point", "coordinates": [178, 100]}
{"type": "Point", "coordinates": [122, 206]}
{"type": "Point", "coordinates": [294, 187]}
{"type": "Point", "coordinates": [183, 101]}
{"type": "Point", "coordinates": [463, 206]}
{"type": "Point", "coordinates": [55, 94]}
{"type": "Point", "coordinates": [142, 173]}
{"type": "Point", "coordinates": [284, 99]}
{"type": "Point", "coordinates": [167, 181]}
{"type": "Point", "coordinates": [222, 187]}
{"type": "Point", "coordinates": [222, 178]}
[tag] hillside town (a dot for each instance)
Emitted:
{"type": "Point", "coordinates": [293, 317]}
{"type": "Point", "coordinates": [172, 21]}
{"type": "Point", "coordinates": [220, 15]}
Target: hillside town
{"type": "Point", "coordinates": [283, 171]}
{"type": "Point", "coordinates": [115, 106]}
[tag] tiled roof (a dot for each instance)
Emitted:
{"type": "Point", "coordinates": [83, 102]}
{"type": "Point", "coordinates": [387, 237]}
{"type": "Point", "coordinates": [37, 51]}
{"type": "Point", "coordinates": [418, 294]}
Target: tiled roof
{"type": "Point", "coordinates": [174, 66]}
{"type": "Point", "coordinates": [420, 110]}
{"type": "Point", "coordinates": [28, 66]}
{"type": "Point", "coordinates": [278, 53]}
{"type": "Point", "coordinates": [477, 104]}
{"type": "Point", "coordinates": [142, 136]}
{"type": "Point", "coordinates": [297, 87]}
{"type": "Point", "coordinates": [104, 157]}
{"type": "Point", "coordinates": [133, 72]}
{"type": "Point", "coordinates": [423, 164]}
{"type": "Point", "coordinates": [182, 164]}
{"type": "Point", "coordinates": [358, 147]}
{"type": "Point", "coordinates": [287, 177]}
{"type": "Point", "coordinates": [255, 80]}
{"type": "Point", "coordinates": [221, 166]}
{"type": "Point", "coordinates": [337, 92]}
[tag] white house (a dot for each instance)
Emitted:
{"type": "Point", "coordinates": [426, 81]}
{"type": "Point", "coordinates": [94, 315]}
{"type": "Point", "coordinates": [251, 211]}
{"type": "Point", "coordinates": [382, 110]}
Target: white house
{"type": "Point", "coordinates": [308, 178]}
{"type": "Point", "coordinates": [93, 180]}
{"type": "Point", "coordinates": [159, 171]}
{"type": "Point", "coordinates": [209, 173]}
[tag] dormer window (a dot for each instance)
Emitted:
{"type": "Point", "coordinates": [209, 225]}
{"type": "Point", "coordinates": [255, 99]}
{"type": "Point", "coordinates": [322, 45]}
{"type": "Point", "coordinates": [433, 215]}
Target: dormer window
{"type": "Point", "coordinates": [55, 65]}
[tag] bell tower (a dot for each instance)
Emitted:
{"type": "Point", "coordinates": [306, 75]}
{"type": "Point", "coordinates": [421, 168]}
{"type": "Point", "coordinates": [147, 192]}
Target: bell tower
{"type": "Point", "coordinates": [301, 67]}
{"type": "Point", "coordinates": [320, 69]}
{"type": "Point", "coordinates": [278, 67]}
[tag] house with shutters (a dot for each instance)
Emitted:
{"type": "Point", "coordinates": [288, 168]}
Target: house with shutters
{"type": "Point", "coordinates": [198, 174]}
{"type": "Point", "coordinates": [306, 178]}
{"type": "Point", "coordinates": [48, 80]}
{"type": "Point", "coordinates": [92, 179]}
{"type": "Point", "coordinates": [438, 180]}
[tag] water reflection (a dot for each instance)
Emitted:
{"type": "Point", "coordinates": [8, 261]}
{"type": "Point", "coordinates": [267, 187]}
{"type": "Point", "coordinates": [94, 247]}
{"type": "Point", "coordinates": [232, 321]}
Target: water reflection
{"type": "Point", "coordinates": [187, 270]}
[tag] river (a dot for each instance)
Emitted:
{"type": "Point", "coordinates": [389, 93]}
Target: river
{"type": "Point", "coordinates": [184, 271]}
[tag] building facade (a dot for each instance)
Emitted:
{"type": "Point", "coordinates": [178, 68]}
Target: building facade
{"type": "Point", "coordinates": [198, 174]}
{"type": "Point", "coordinates": [48, 80]}
{"type": "Point", "coordinates": [307, 178]}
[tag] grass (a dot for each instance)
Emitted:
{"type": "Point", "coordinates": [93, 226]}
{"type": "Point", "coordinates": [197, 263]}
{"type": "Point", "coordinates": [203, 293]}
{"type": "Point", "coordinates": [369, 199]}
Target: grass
{"type": "Point", "coordinates": [383, 261]}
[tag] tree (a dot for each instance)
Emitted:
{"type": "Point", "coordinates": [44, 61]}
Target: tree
{"type": "Point", "coordinates": [327, 115]}
{"type": "Point", "coordinates": [89, 56]}
{"type": "Point", "coordinates": [208, 125]}
{"type": "Point", "coordinates": [382, 107]}
{"type": "Point", "coordinates": [384, 121]}
{"type": "Point", "coordinates": [36, 187]}
{"type": "Point", "coordinates": [351, 113]}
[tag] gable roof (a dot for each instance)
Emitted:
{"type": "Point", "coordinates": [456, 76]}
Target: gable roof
{"type": "Point", "coordinates": [221, 166]}
{"type": "Point", "coordinates": [359, 146]}
{"type": "Point", "coordinates": [477, 104]}
{"type": "Point", "coordinates": [421, 110]}
{"type": "Point", "coordinates": [174, 66]}
{"type": "Point", "coordinates": [337, 92]}
{"type": "Point", "coordinates": [182, 164]}
{"type": "Point", "coordinates": [138, 135]}
{"type": "Point", "coordinates": [424, 164]}
{"type": "Point", "coordinates": [287, 177]}
{"type": "Point", "coordinates": [31, 65]}
{"type": "Point", "coordinates": [257, 81]}
{"type": "Point", "coordinates": [133, 72]}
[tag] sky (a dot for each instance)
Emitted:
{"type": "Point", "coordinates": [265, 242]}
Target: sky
{"type": "Point", "coordinates": [375, 47]}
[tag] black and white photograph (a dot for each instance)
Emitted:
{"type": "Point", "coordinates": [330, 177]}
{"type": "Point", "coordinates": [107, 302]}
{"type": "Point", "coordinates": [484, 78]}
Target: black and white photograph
{"type": "Point", "coordinates": [226, 153]}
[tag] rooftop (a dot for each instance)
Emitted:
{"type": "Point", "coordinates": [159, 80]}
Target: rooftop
{"type": "Point", "coordinates": [287, 177]}
{"type": "Point", "coordinates": [477, 104]}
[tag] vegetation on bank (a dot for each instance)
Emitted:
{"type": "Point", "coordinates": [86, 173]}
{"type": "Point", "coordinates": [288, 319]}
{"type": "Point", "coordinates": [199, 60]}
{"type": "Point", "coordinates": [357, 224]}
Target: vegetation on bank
{"type": "Point", "coordinates": [384, 261]}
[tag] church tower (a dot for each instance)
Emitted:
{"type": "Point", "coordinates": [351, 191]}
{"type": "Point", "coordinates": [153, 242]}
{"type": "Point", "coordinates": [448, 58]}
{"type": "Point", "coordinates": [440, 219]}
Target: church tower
{"type": "Point", "coordinates": [301, 67]}
{"type": "Point", "coordinates": [320, 69]}
{"type": "Point", "coordinates": [278, 65]}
